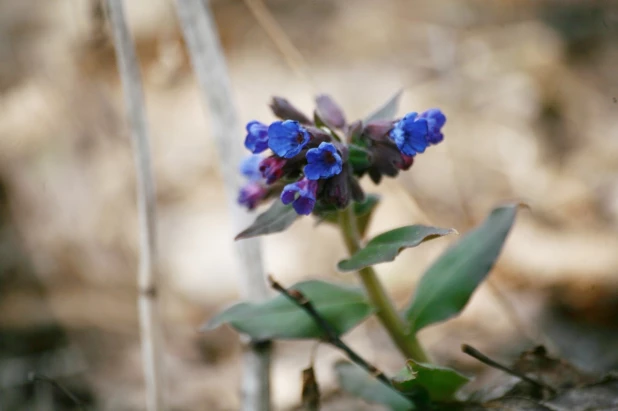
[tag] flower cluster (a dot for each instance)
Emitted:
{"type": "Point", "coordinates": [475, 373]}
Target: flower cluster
{"type": "Point", "coordinates": [316, 164]}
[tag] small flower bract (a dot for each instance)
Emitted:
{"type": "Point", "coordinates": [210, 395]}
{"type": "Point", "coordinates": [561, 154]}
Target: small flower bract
{"type": "Point", "coordinates": [301, 194]}
{"type": "Point", "coordinates": [323, 162]}
{"type": "Point", "coordinates": [287, 138]}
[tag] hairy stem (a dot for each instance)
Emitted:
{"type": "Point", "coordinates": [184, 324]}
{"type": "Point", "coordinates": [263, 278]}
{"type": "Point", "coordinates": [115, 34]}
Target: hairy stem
{"type": "Point", "coordinates": [386, 312]}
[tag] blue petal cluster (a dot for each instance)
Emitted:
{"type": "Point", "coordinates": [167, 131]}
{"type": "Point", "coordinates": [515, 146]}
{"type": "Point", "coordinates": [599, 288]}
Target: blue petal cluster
{"type": "Point", "coordinates": [414, 133]}
{"type": "Point", "coordinates": [435, 121]}
{"type": "Point", "coordinates": [301, 195]}
{"type": "Point", "coordinates": [257, 137]}
{"type": "Point", "coordinates": [287, 138]}
{"type": "Point", "coordinates": [323, 162]}
{"type": "Point", "coordinates": [410, 134]}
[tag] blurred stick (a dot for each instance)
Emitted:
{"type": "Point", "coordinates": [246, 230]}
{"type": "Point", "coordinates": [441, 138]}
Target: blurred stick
{"type": "Point", "coordinates": [150, 322]}
{"type": "Point", "coordinates": [200, 34]}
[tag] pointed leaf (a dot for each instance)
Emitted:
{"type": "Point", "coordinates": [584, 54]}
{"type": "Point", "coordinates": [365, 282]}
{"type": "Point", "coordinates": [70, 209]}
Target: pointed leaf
{"type": "Point", "coordinates": [388, 245]}
{"type": "Point", "coordinates": [357, 382]}
{"type": "Point", "coordinates": [343, 307]}
{"type": "Point", "coordinates": [446, 287]}
{"type": "Point", "coordinates": [440, 383]}
{"type": "Point", "coordinates": [277, 218]}
{"type": "Point", "coordinates": [388, 111]}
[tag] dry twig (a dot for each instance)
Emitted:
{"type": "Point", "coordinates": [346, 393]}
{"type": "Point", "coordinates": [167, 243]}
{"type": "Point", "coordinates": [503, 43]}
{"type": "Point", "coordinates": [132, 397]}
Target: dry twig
{"type": "Point", "coordinates": [330, 335]}
{"type": "Point", "coordinates": [474, 353]}
{"type": "Point", "coordinates": [150, 322]}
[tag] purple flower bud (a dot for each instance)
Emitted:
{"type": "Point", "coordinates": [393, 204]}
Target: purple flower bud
{"type": "Point", "coordinates": [257, 137]}
{"type": "Point", "coordinates": [405, 163]}
{"type": "Point", "coordinates": [337, 190]}
{"type": "Point", "coordinates": [251, 194]}
{"type": "Point", "coordinates": [301, 194]}
{"type": "Point", "coordinates": [318, 136]}
{"type": "Point", "coordinates": [410, 134]}
{"type": "Point", "coordinates": [323, 162]}
{"type": "Point", "coordinates": [329, 111]}
{"type": "Point", "coordinates": [287, 138]}
{"type": "Point", "coordinates": [354, 130]}
{"type": "Point", "coordinates": [378, 130]}
{"type": "Point", "coordinates": [386, 160]}
{"type": "Point", "coordinates": [356, 191]}
{"type": "Point", "coordinates": [286, 111]}
{"type": "Point", "coordinates": [271, 168]}
{"type": "Point", "coordinates": [435, 121]}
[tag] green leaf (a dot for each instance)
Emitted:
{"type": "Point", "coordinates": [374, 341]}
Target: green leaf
{"type": "Point", "coordinates": [440, 383]}
{"type": "Point", "coordinates": [388, 245]}
{"type": "Point", "coordinates": [446, 287]}
{"type": "Point", "coordinates": [343, 307]}
{"type": "Point", "coordinates": [277, 218]}
{"type": "Point", "coordinates": [357, 382]}
{"type": "Point", "coordinates": [388, 111]}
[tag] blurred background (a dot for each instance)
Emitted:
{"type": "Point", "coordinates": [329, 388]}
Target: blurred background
{"type": "Point", "coordinates": [531, 95]}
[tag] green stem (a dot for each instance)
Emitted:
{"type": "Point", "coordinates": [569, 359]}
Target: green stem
{"type": "Point", "coordinates": [386, 312]}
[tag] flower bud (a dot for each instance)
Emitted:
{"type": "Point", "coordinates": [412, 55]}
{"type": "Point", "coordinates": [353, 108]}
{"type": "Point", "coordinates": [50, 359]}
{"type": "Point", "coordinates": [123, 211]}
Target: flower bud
{"type": "Point", "coordinates": [286, 111]}
{"type": "Point", "coordinates": [329, 111]}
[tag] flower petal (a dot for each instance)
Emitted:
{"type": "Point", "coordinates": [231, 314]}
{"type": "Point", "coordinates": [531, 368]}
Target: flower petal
{"type": "Point", "coordinates": [287, 138]}
{"type": "Point", "coordinates": [323, 162]}
{"type": "Point", "coordinates": [256, 140]}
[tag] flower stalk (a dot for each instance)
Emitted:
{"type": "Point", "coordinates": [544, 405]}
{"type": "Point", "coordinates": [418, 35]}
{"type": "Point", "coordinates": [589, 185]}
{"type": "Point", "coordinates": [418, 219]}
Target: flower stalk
{"type": "Point", "coordinates": [386, 312]}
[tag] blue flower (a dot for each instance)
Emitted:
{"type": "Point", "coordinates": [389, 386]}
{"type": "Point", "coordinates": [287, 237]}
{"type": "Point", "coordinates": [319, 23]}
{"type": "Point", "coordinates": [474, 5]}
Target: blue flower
{"type": "Point", "coordinates": [250, 167]}
{"type": "Point", "coordinates": [410, 134]}
{"type": "Point", "coordinates": [251, 194]}
{"type": "Point", "coordinates": [323, 162]}
{"type": "Point", "coordinates": [287, 138]}
{"type": "Point", "coordinates": [435, 120]}
{"type": "Point", "coordinates": [301, 194]}
{"type": "Point", "coordinates": [257, 137]}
